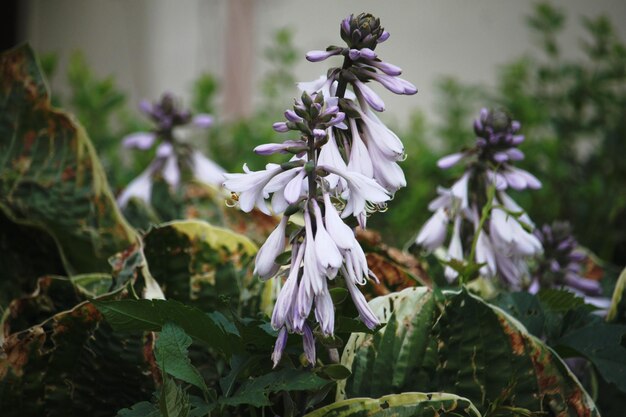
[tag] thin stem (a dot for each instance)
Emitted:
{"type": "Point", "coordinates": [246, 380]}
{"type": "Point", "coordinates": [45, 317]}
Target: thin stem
{"type": "Point", "coordinates": [491, 191]}
{"type": "Point", "coordinates": [343, 83]}
{"type": "Point", "coordinates": [311, 175]}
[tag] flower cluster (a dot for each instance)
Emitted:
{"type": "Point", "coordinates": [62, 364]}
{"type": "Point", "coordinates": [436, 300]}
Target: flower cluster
{"type": "Point", "coordinates": [503, 241]}
{"type": "Point", "coordinates": [344, 163]}
{"type": "Point", "coordinates": [563, 265]}
{"type": "Point", "coordinates": [173, 156]}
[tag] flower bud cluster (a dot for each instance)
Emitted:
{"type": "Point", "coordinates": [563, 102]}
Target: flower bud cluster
{"type": "Point", "coordinates": [344, 163]}
{"type": "Point", "coordinates": [172, 155]}
{"type": "Point", "coordinates": [563, 264]}
{"type": "Point", "coordinates": [502, 242]}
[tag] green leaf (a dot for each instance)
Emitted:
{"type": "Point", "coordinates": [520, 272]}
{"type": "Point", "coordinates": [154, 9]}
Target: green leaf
{"type": "Point", "coordinates": [601, 343]}
{"type": "Point", "coordinates": [412, 404]}
{"type": "Point", "coordinates": [560, 301]}
{"type": "Point", "coordinates": [151, 315]}
{"type": "Point", "coordinates": [142, 409]}
{"type": "Point", "coordinates": [462, 345]}
{"type": "Point", "coordinates": [255, 391]}
{"type": "Point", "coordinates": [336, 371]}
{"type": "Point", "coordinates": [172, 357]}
{"type": "Point", "coordinates": [73, 364]}
{"type": "Point", "coordinates": [525, 307]}
{"type": "Point", "coordinates": [202, 265]}
{"type": "Point", "coordinates": [50, 175]}
{"type": "Point", "coordinates": [173, 401]}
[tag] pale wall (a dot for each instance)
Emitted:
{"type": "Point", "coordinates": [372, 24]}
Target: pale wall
{"type": "Point", "coordinates": [156, 45]}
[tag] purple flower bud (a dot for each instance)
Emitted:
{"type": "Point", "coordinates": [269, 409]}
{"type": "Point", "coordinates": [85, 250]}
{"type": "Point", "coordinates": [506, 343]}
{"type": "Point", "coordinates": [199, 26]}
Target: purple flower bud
{"type": "Point", "coordinates": [319, 133]}
{"type": "Point", "coordinates": [517, 139]}
{"type": "Point", "coordinates": [140, 140]}
{"type": "Point", "coordinates": [317, 56]}
{"type": "Point", "coordinates": [368, 53]}
{"type": "Point", "coordinates": [308, 343]}
{"type": "Point", "coordinates": [515, 126]}
{"type": "Point", "coordinates": [337, 119]}
{"type": "Point", "coordinates": [292, 116]}
{"type": "Point", "coordinates": [279, 346]}
{"type": "Point", "coordinates": [383, 37]}
{"type": "Point", "coordinates": [345, 24]}
{"type": "Point", "coordinates": [203, 120]}
{"type": "Point", "coordinates": [354, 54]}
{"type": "Point", "coordinates": [500, 157]}
{"type": "Point", "coordinates": [280, 127]}
{"type": "Point", "coordinates": [515, 154]}
{"type": "Point", "coordinates": [385, 67]}
{"type": "Point", "coordinates": [145, 106]}
{"type": "Point", "coordinates": [450, 160]}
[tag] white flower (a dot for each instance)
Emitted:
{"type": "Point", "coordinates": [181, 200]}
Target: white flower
{"type": "Point", "coordinates": [140, 187]}
{"type": "Point", "coordinates": [341, 233]}
{"type": "Point", "coordinates": [330, 156]}
{"type": "Point", "coordinates": [455, 250]}
{"type": "Point", "coordinates": [433, 233]}
{"type": "Point", "coordinates": [361, 190]}
{"type": "Point", "coordinates": [206, 170]}
{"type": "Point", "coordinates": [265, 267]}
{"type": "Point", "coordinates": [250, 186]}
{"type": "Point", "coordinates": [328, 255]}
{"type": "Point", "coordinates": [376, 131]}
{"type": "Point", "coordinates": [359, 157]}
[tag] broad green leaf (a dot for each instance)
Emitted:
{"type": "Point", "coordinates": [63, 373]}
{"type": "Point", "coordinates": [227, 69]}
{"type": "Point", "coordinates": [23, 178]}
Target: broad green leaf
{"type": "Point", "coordinates": [173, 401]}
{"type": "Point", "coordinates": [560, 301]}
{"type": "Point", "coordinates": [601, 343]}
{"type": "Point", "coordinates": [412, 404]}
{"type": "Point", "coordinates": [50, 176]}
{"type": "Point", "coordinates": [172, 356]}
{"type": "Point", "coordinates": [202, 265]}
{"type": "Point", "coordinates": [461, 345]}
{"type": "Point", "coordinates": [255, 391]}
{"type": "Point", "coordinates": [525, 307]}
{"type": "Point", "coordinates": [73, 364]}
{"type": "Point", "coordinates": [151, 315]}
{"type": "Point", "coordinates": [398, 349]}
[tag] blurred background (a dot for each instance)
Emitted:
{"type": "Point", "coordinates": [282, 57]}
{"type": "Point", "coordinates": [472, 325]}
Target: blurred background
{"type": "Point", "coordinates": [558, 67]}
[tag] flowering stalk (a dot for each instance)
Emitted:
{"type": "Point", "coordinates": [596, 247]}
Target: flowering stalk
{"type": "Point", "coordinates": [481, 212]}
{"type": "Point", "coordinates": [344, 162]}
{"type": "Point", "coordinates": [172, 155]}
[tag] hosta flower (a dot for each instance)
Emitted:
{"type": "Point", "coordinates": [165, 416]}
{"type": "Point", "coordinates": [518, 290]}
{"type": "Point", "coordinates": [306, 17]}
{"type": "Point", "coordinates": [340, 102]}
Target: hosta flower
{"type": "Point", "coordinates": [344, 163]}
{"type": "Point", "coordinates": [172, 155]}
{"type": "Point", "coordinates": [562, 265]}
{"type": "Point", "coordinates": [503, 243]}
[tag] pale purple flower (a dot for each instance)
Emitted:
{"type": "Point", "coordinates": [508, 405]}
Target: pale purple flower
{"type": "Point", "coordinates": [202, 120]}
{"type": "Point", "coordinates": [376, 131]}
{"type": "Point", "coordinates": [450, 160]}
{"type": "Point", "coordinates": [330, 156]}
{"type": "Point", "coordinates": [139, 140]}
{"type": "Point", "coordinates": [373, 99]}
{"type": "Point", "coordinates": [308, 343]}
{"type": "Point", "coordinates": [366, 314]}
{"type": "Point", "coordinates": [279, 346]}
{"type": "Point", "coordinates": [317, 56]}
{"type": "Point", "coordinates": [264, 265]}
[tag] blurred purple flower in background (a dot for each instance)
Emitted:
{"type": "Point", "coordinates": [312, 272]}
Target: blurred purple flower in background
{"type": "Point", "coordinates": [563, 265]}
{"type": "Point", "coordinates": [172, 156]}
{"type": "Point", "coordinates": [503, 242]}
